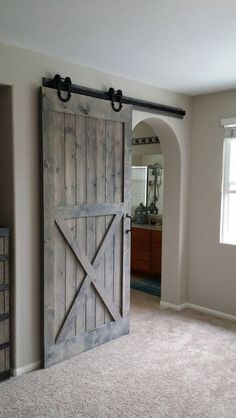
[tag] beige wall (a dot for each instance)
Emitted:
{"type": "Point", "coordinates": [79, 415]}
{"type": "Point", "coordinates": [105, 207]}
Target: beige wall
{"type": "Point", "coordinates": [212, 266]}
{"type": "Point", "coordinates": [143, 130]}
{"type": "Point", "coordinates": [23, 70]}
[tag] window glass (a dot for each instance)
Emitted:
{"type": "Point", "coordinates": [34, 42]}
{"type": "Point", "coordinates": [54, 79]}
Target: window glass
{"type": "Point", "coordinates": [138, 185]}
{"type": "Point", "coordinates": [232, 165]}
{"type": "Point", "coordinates": [228, 201]}
{"type": "Point", "coordinates": [229, 233]}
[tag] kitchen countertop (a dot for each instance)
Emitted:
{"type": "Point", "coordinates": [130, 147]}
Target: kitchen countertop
{"type": "Point", "coordinates": [148, 226]}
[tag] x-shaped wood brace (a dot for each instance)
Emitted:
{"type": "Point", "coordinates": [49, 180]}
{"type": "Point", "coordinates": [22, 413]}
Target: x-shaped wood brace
{"type": "Point", "coordinates": [91, 276]}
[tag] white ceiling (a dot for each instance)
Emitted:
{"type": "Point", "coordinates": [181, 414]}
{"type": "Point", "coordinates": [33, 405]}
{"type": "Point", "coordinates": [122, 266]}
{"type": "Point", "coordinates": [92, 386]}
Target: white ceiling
{"type": "Point", "coordinates": [182, 45]}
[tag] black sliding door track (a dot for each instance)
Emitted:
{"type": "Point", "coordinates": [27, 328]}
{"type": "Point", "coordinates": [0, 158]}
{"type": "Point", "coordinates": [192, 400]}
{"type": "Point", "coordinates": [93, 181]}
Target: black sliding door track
{"type": "Point", "coordinates": [137, 103]}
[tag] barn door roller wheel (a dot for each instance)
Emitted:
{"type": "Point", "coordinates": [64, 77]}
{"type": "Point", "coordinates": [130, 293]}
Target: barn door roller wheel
{"type": "Point", "coordinates": [62, 83]}
{"type": "Point", "coordinates": [115, 95]}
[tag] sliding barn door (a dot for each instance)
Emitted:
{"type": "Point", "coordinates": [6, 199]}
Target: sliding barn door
{"type": "Point", "coordinates": [86, 182]}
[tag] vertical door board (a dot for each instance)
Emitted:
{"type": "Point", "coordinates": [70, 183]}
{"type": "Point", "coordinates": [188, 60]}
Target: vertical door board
{"type": "Point", "coordinates": [86, 195]}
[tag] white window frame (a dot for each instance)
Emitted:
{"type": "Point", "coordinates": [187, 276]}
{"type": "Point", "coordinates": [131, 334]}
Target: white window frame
{"type": "Point", "coordinates": [226, 190]}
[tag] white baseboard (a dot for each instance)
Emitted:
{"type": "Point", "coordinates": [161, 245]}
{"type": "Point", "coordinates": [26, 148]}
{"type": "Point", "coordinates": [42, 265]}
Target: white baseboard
{"type": "Point", "coordinates": [26, 369]}
{"type": "Point", "coordinates": [198, 308]}
{"type": "Point", "coordinates": [209, 311]}
{"type": "Point", "coordinates": [166, 305]}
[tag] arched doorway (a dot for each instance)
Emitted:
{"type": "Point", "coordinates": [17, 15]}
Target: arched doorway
{"type": "Point", "coordinates": [173, 277]}
{"type": "Point", "coordinates": [147, 190]}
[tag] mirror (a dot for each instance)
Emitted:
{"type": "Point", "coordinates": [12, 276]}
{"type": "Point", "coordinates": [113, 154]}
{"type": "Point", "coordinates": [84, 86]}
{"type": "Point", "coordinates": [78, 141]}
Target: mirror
{"type": "Point", "coordinates": [147, 184]}
{"type": "Point", "coordinates": [154, 181]}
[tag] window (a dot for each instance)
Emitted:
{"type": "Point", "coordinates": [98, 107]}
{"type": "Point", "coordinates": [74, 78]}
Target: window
{"type": "Point", "coordinates": [228, 200]}
{"type": "Point", "coordinates": [139, 185]}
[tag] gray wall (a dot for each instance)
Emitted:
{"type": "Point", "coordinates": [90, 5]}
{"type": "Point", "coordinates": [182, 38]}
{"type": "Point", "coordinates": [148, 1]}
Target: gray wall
{"type": "Point", "coordinates": [212, 266]}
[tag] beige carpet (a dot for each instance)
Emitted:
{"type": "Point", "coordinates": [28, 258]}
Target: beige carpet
{"type": "Point", "coordinates": [171, 365]}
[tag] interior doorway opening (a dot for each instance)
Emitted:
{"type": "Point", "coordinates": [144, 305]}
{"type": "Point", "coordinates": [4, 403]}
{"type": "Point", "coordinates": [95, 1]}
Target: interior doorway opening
{"type": "Point", "coordinates": [169, 131]}
{"type": "Point", "coordinates": [147, 176]}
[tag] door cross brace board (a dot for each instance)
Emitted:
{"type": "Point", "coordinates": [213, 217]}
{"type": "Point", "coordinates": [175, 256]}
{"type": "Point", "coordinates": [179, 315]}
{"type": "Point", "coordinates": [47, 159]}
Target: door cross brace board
{"type": "Point", "coordinates": [90, 268]}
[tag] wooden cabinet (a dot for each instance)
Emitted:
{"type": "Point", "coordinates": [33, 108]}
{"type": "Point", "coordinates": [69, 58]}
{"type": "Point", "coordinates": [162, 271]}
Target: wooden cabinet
{"type": "Point", "coordinates": [140, 250]}
{"type": "Point", "coordinates": [146, 250]}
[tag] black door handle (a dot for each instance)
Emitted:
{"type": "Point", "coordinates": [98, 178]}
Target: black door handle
{"type": "Point", "coordinates": [129, 230]}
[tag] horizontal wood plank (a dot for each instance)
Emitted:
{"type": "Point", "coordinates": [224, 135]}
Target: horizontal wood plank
{"type": "Point", "coordinates": [84, 106]}
{"type": "Point", "coordinates": [86, 341]}
{"type": "Point", "coordinates": [85, 211]}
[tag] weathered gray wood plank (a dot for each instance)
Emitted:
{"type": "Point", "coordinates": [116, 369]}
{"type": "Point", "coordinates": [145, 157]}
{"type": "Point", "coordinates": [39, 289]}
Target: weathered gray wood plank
{"type": "Point", "coordinates": [81, 198]}
{"type": "Point", "coordinates": [84, 210]}
{"type": "Point", "coordinates": [109, 196]}
{"type": "Point", "coordinates": [86, 341]}
{"type": "Point", "coordinates": [84, 106]}
{"type": "Point", "coordinates": [91, 227]}
{"type": "Point", "coordinates": [70, 198]}
{"type": "Point", "coordinates": [59, 187]}
{"type": "Point", "coordinates": [118, 244]}
{"type": "Point", "coordinates": [126, 223]}
{"type": "Point", "coordinates": [100, 220]}
{"type": "Point", "coordinates": [49, 120]}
